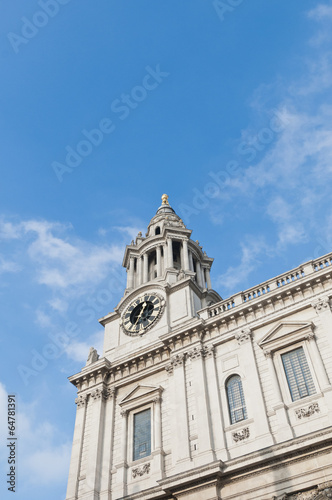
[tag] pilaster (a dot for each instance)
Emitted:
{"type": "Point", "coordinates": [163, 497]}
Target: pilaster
{"type": "Point", "coordinates": [94, 462]}
{"type": "Point", "coordinates": [179, 413]}
{"type": "Point", "coordinates": [204, 424]}
{"type": "Point", "coordinates": [105, 487]}
{"type": "Point", "coordinates": [76, 454]}
{"type": "Point", "coordinates": [256, 405]}
{"type": "Point", "coordinates": [284, 431]}
{"type": "Point", "coordinates": [217, 420]}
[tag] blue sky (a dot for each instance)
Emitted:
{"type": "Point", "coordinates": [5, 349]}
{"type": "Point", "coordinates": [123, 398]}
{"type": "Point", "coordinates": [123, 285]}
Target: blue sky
{"type": "Point", "coordinates": [226, 106]}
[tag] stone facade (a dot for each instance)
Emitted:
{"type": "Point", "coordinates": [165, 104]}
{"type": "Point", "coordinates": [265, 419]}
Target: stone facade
{"type": "Point", "coordinates": [177, 360]}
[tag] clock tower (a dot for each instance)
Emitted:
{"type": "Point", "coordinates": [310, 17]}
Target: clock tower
{"type": "Point", "coordinates": [196, 397]}
{"type": "Point", "coordinates": [121, 418]}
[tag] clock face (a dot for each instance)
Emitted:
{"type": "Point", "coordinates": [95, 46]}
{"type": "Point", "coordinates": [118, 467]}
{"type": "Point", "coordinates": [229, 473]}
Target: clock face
{"type": "Point", "coordinates": [141, 314]}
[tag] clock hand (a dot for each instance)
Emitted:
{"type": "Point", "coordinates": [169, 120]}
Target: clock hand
{"type": "Point", "coordinates": [140, 314]}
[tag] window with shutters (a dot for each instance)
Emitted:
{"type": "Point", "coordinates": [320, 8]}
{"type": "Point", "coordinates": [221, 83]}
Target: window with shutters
{"type": "Point", "coordinates": [299, 378]}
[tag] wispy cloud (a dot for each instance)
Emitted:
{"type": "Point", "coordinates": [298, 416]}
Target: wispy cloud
{"type": "Point", "coordinates": [60, 260]}
{"type": "Point", "coordinates": [296, 166]}
{"type": "Point", "coordinates": [44, 452]}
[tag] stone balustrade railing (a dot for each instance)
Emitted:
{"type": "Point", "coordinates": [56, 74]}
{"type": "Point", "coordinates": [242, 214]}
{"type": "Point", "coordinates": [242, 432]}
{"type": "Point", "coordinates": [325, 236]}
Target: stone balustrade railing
{"type": "Point", "coordinates": [280, 281]}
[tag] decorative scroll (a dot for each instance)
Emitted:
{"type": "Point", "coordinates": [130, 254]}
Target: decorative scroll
{"type": "Point", "coordinates": [196, 352]}
{"type": "Point", "coordinates": [241, 435]}
{"type": "Point", "coordinates": [243, 336]}
{"type": "Point", "coordinates": [321, 304]}
{"type": "Point", "coordinates": [169, 368]}
{"type": "Point", "coordinates": [140, 470]}
{"type": "Point", "coordinates": [177, 360]}
{"type": "Point", "coordinates": [100, 393]}
{"type": "Point", "coordinates": [308, 411]}
{"type": "Point", "coordinates": [81, 400]}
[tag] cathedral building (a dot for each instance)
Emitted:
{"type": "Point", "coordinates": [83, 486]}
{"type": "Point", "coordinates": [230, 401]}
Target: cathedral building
{"type": "Point", "coordinates": [199, 398]}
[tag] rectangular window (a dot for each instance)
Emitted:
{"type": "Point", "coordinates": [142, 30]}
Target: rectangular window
{"type": "Point", "coordinates": [298, 375]}
{"type": "Point", "coordinates": [142, 434]}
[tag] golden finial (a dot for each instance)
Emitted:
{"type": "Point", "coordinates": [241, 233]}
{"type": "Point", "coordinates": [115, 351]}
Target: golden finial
{"type": "Point", "coordinates": [164, 199]}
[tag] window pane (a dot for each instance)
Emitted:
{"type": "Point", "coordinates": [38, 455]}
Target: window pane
{"type": "Point", "coordinates": [298, 374]}
{"type": "Point", "coordinates": [236, 402]}
{"type": "Point", "coordinates": [142, 434]}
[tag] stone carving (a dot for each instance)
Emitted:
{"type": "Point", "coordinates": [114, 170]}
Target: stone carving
{"type": "Point", "coordinates": [321, 304]}
{"type": "Point", "coordinates": [196, 352]}
{"type": "Point", "coordinates": [308, 411]}
{"type": "Point", "coordinates": [81, 400]}
{"type": "Point", "coordinates": [169, 368]}
{"type": "Point", "coordinates": [243, 336]}
{"type": "Point", "coordinates": [177, 360]}
{"type": "Point", "coordinates": [241, 435]}
{"type": "Point", "coordinates": [93, 356]}
{"type": "Point", "coordinates": [209, 350]}
{"type": "Point", "coordinates": [323, 491]}
{"type": "Point", "coordinates": [140, 470]}
{"type": "Point", "coordinates": [100, 393]}
{"type": "Point", "coordinates": [181, 275]}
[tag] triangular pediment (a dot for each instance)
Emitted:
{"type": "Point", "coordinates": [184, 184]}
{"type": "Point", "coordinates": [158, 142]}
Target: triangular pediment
{"type": "Point", "coordinates": [285, 333]}
{"type": "Point", "coordinates": [140, 393]}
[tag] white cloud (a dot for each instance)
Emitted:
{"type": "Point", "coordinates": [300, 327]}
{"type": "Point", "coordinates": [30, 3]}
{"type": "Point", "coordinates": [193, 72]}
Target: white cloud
{"type": "Point", "coordinates": [131, 231]}
{"type": "Point", "coordinates": [49, 465]}
{"type": "Point", "coordinates": [43, 319]}
{"type": "Point", "coordinates": [60, 260]}
{"type": "Point", "coordinates": [321, 12]}
{"type": "Point", "coordinates": [44, 453]}
{"type": "Point", "coordinates": [78, 350]}
{"type": "Point", "coordinates": [251, 250]}
{"type": "Point", "coordinates": [7, 266]}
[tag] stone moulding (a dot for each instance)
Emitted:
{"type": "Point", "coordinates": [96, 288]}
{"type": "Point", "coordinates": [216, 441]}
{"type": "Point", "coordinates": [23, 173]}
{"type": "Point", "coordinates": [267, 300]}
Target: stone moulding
{"type": "Point", "coordinates": [321, 492]}
{"type": "Point", "coordinates": [307, 411]}
{"type": "Point", "coordinates": [140, 470]}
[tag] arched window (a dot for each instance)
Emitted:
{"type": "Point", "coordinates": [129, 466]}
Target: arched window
{"type": "Point", "coordinates": [157, 230]}
{"type": "Point", "coordinates": [236, 402]}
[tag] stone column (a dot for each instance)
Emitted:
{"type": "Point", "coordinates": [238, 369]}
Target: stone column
{"type": "Point", "coordinates": [217, 420]}
{"type": "Point", "coordinates": [76, 454]}
{"type": "Point", "coordinates": [185, 255]}
{"type": "Point", "coordinates": [165, 250]}
{"type": "Point", "coordinates": [96, 439]}
{"type": "Point", "coordinates": [130, 277]}
{"type": "Point", "coordinates": [204, 426]}
{"type": "Point", "coordinates": [145, 268]}
{"type": "Point", "coordinates": [179, 414]}
{"type": "Point", "coordinates": [256, 404]}
{"type": "Point", "coordinates": [208, 278]}
{"type": "Point", "coordinates": [140, 270]}
{"type": "Point", "coordinates": [158, 256]}
{"type": "Point", "coordinates": [191, 261]}
{"type": "Point", "coordinates": [284, 429]}
{"type": "Point", "coordinates": [105, 487]}
{"type": "Point", "coordinates": [169, 253]}
{"type": "Point", "coordinates": [199, 274]}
